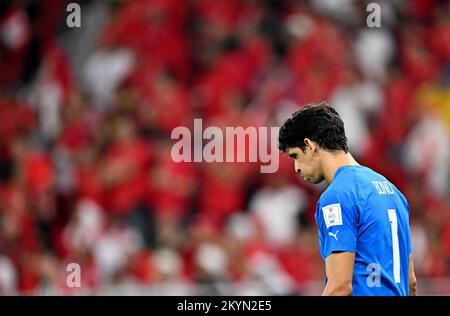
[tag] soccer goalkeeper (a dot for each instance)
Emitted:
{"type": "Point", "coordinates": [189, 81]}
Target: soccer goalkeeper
{"type": "Point", "coordinates": [362, 218]}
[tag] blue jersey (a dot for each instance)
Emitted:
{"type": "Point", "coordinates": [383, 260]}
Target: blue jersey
{"type": "Point", "coordinates": [363, 213]}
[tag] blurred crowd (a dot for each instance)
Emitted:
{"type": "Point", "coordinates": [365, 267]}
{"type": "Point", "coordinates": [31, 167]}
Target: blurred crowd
{"type": "Point", "coordinates": [86, 174]}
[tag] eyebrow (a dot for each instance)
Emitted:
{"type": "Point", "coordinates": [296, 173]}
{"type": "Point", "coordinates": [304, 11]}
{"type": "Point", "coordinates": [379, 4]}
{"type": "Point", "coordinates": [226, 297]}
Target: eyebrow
{"type": "Point", "coordinates": [293, 155]}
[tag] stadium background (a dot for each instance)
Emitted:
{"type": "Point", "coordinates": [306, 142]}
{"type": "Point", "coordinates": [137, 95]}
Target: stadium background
{"type": "Point", "coordinates": [86, 115]}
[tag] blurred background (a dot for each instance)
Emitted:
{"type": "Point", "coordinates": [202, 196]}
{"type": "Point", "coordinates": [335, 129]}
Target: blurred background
{"type": "Point", "coordinates": [86, 116]}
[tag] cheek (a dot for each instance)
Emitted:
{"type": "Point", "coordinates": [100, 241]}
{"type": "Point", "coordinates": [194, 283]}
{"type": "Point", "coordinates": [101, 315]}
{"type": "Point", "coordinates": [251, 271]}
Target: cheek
{"type": "Point", "coordinates": [308, 167]}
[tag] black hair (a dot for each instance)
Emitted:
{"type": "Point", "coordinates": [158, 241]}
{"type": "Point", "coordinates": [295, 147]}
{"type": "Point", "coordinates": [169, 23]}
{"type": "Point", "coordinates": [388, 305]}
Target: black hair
{"type": "Point", "coordinates": [319, 122]}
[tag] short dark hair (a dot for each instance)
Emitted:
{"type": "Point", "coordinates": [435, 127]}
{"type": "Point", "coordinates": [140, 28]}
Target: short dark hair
{"type": "Point", "coordinates": [319, 122]}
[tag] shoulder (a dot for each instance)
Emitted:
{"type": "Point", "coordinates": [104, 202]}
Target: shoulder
{"type": "Point", "coordinates": [341, 188]}
{"type": "Point", "coordinates": [344, 190]}
{"type": "Point", "coordinates": [342, 198]}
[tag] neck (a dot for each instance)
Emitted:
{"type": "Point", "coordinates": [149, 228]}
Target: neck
{"type": "Point", "coordinates": [332, 161]}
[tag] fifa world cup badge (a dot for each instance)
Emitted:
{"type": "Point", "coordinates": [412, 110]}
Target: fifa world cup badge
{"type": "Point", "coordinates": [332, 214]}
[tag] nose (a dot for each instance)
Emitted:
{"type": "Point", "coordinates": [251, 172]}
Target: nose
{"type": "Point", "coordinates": [297, 167]}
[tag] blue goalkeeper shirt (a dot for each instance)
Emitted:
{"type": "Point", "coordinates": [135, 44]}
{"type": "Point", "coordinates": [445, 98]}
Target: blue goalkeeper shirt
{"type": "Point", "coordinates": [363, 213]}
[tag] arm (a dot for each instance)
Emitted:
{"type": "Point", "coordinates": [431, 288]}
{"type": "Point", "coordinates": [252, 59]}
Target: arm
{"type": "Point", "coordinates": [412, 277]}
{"type": "Point", "coordinates": [339, 269]}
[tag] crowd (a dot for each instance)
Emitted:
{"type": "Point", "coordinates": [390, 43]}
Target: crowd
{"type": "Point", "coordinates": [86, 173]}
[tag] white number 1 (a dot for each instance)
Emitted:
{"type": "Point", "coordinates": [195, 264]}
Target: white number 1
{"type": "Point", "coordinates": [395, 248]}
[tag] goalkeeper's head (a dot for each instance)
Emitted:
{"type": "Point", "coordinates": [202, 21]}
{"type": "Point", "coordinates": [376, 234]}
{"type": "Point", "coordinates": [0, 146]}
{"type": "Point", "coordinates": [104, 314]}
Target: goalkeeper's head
{"type": "Point", "coordinates": [311, 135]}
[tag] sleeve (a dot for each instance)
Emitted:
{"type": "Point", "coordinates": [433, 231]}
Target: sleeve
{"type": "Point", "coordinates": [337, 218]}
{"type": "Point", "coordinates": [409, 238]}
{"type": "Point", "coordinates": [408, 231]}
{"type": "Point", "coordinates": [410, 248]}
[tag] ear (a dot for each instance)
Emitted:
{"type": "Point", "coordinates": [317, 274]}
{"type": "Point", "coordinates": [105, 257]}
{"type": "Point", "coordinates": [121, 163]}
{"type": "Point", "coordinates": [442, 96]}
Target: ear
{"type": "Point", "coordinates": [310, 144]}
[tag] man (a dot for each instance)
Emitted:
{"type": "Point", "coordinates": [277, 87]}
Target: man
{"type": "Point", "coordinates": [362, 218]}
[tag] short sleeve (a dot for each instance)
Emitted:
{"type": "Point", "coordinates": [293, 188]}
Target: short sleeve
{"type": "Point", "coordinates": [408, 239]}
{"type": "Point", "coordinates": [336, 218]}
